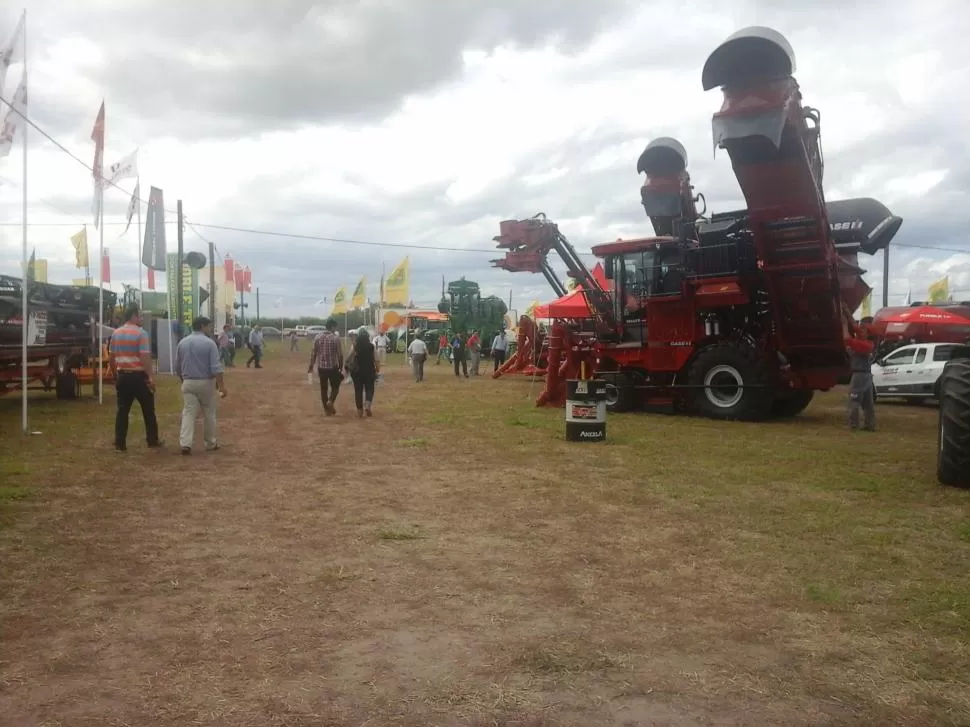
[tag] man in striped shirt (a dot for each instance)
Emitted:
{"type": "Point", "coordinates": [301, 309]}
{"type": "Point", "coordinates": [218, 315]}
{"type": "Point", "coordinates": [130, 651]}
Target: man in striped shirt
{"type": "Point", "coordinates": [131, 364]}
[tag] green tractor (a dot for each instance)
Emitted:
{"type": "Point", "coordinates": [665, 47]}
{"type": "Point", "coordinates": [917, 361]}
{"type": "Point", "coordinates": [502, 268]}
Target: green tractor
{"type": "Point", "coordinates": [467, 310]}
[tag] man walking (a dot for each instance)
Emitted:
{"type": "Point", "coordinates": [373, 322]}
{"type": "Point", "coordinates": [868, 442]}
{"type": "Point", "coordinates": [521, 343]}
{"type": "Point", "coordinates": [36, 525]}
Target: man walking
{"type": "Point", "coordinates": [130, 360]}
{"type": "Point", "coordinates": [500, 346]}
{"type": "Point", "coordinates": [460, 354]}
{"type": "Point", "coordinates": [418, 350]}
{"type": "Point", "coordinates": [328, 356]}
{"type": "Point", "coordinates": [200, 371]}
{"type": "Point", "coordinates": [381, 342]}
{"type": "Point", "coordinates": [294, 341]}
{"type": "Point", "coordinates": [256, 346]}
{"type": "Point", "coordinates": [861, 391]}
{"type": "Point", "coordinates": [475, 350]}
{"type": "Point", "coordinates": [225, 346]}
{"type": "Point", "coordinates": [443, 350]}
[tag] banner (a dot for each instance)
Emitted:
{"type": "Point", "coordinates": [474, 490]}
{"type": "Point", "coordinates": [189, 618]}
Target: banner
{"type": "Point", "coordinates": [398, 284]}
{"type": "Point", "coordinates": [867, 306]}
{"type": "Point", "coordinates": [97, 136]}
{"type": "Point", "coordinates": [80, 242]}
{"type": "Point", "coordinates": [340, 302]}
{"type": "Point", "coordinates": [359, 298]}
{"type": "Point", "coordinates": [127, 168]}
{"type": "Point", "coordinates": [189, 292]}
{"type": "Point", "coordinates": [154, 253]}
{"type": "Point", "coordinates": [940, 290]}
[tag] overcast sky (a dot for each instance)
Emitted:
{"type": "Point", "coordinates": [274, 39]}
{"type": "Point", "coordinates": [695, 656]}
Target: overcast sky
{"type": "Point", "coordinates": [428, 121]}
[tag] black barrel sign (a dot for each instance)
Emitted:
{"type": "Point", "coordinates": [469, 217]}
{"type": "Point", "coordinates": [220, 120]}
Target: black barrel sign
{"type": "Point", "coordinates": [585, 410]}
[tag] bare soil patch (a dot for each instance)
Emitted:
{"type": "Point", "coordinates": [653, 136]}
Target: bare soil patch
{"type": "Point", "coordinates": [452, 561]}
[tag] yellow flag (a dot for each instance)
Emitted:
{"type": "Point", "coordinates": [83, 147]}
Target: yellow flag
{"type": "Point", "coordinates": [940, 290]}
{"type": "Point", "coordinates": [398, 284]}
{"type": "Point", "coordinates": [80, 242]}
{"type": "Point", "coordinates": [867, 306]}
{"type": "Point", "coordinates": [359, 297]}
{"type": "Point", "coordinates": [531, 310]}
{"type": "Point", "coordinates": [340, 302]}
{"type": "Point", "coordinates": [40, 271]}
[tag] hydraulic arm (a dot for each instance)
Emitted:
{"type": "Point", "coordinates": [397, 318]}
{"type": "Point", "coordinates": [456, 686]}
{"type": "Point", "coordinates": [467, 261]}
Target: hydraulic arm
{"type": "Point", "coordinates": [527, 244]}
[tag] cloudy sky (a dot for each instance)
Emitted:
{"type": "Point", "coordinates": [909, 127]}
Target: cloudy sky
{"type": "Point", "coordinates": [426, 122]}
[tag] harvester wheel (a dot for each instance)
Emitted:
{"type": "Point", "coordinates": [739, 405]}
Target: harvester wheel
{"type": "Point", "coordinates": [730, 381]}
{"type": "Point", "coordinates": [792, 403]}
{"type": "Point", "coordinates": [620, 394]}
{"type": "Point", "coordinates": [953, 432]}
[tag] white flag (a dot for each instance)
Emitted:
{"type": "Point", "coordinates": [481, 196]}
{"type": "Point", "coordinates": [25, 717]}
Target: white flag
{"type": "Point", "coordinates": [132, 205]}
{"type": "Point", "coordinates": [13, 52]}
{"type": "Point", "coordinates": [127, 168]}
{"type": "Point", "coordinates": [14, 117]}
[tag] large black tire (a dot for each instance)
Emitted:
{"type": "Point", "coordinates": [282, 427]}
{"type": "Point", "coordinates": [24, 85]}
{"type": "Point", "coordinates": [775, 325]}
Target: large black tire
{"type": "Point", "coordinates": [731, 381]}
{"type": "Point", "coordinates": [791, 403]}
{"type": "Point", "coordinates": [620, 394]}
{"type": "Point", "coordinates": [953, 432]}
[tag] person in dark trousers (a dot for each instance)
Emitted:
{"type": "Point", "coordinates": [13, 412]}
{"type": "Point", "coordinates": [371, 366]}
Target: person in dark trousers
{"type": "Point", "coordinates": [130, 361]}
{"type": "Point", "coordinates": [500, 346]}
{"type": "Point", "coordinates": [862, 395]}
{"type": "Point", "coordinates": [328, 356]}
{"type": "Point", "coordinates": [460, 353]}
{"type": "Point", "coordinates": [362, 365]}
{"type": "Point", "coordinates": [256, 346]}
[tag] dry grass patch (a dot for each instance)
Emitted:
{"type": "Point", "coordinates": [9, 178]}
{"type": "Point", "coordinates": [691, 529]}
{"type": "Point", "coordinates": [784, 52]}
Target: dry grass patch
{"type": "Point", "coordinates": [685, 572]}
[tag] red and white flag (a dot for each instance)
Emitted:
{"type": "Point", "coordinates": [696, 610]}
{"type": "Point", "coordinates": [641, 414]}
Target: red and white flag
{"type": "Point", "coordinates": [13, 52]}
{"type": "Point", "coordinates": [11, 121]}
{"type": "Point", "coordinates": [97, 136]}
{"type": "Point", "coordinates": [105, 267]}
{"type": "Point", "coordinates": [151, 279]}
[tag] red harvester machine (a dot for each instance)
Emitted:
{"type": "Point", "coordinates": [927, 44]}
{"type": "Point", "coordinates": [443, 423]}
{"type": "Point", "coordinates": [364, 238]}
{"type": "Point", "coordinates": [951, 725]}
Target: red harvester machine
{"type": "Point", "coordinates": [740, 315]}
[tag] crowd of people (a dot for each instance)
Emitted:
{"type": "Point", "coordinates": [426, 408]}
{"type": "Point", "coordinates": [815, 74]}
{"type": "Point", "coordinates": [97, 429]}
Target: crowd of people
{"type": "Point", "coordinates": [202, 357]}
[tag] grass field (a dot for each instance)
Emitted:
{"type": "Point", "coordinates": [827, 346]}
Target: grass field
{"type": "Point", "coordinates": [453, 561]}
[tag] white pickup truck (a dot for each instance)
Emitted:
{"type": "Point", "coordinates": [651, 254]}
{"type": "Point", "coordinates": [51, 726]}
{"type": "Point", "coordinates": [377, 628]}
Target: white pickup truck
{"type": "Point", "coordinates": [911, 371]}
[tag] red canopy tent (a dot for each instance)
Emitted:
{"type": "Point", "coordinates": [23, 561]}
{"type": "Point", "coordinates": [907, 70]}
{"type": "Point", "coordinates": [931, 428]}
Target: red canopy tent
{"type": "Point", "coordinates": [924, 323]}
{"type": "Point", "coordinates": [573, 304]}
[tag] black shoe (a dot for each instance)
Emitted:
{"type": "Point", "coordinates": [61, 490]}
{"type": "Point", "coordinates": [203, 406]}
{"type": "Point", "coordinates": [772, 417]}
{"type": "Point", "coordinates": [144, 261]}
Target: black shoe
{"type": "Point", "coordinates": [156, 445]}
{"type": "Point", "coordinates": [121, 448]}
{"type": "Point", "coordinates": [186, 451]}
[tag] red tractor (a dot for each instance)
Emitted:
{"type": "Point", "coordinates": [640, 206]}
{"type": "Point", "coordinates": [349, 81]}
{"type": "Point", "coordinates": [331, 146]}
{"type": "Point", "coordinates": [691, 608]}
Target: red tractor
{"type": "Point", "coordinates": [740, 315]}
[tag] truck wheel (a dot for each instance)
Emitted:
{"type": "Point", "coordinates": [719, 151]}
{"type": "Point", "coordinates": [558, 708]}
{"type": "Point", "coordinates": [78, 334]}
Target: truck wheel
{"type": "Point", "coordinates": [792, 403]}
{"type": "Point", "coordinates": [953, 431]}
{"type": "Point", "coordinates": [620, 394]}
{"type": "Point", "coordinates": [730, 381]}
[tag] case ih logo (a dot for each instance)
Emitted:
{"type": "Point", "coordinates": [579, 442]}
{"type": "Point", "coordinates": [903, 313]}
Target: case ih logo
{"type": "Point", "coordinates": [582, 411]}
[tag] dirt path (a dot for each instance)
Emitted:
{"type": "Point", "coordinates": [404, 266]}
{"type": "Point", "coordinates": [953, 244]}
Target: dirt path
{"type": "Point", "coordinates": [342, 572]}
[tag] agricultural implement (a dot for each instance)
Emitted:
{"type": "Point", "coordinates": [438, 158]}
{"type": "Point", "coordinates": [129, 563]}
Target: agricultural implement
{"type": "Point", "coordinates": [738, 315]}
{"type": "Point", "coordinates": [62, 336]}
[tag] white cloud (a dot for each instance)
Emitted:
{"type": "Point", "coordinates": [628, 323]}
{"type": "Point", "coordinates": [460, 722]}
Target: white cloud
{"type": "Point", "coordinates": [562, 124]}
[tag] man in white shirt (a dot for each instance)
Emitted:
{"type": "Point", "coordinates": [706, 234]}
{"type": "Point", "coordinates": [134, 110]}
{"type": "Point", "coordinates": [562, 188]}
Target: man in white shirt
{"type": "Point", "coordinates": [380, 348]}
{"type": "Point", "coordinates": [500, 347]}
{"type": "Point", "coordinates": [418, 351]}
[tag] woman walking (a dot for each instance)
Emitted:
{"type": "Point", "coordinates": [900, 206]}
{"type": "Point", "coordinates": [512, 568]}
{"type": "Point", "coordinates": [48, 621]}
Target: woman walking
{"type": "Point", "coordinates": [362, 366]}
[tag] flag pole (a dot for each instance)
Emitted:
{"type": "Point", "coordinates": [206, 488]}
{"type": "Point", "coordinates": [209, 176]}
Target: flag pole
{"type": "Point", "coordinates": [141, 289]}
{"type": "Point", "coordinates": [23, 292]}
{"type": "Point", "coordinates": [101, 298]}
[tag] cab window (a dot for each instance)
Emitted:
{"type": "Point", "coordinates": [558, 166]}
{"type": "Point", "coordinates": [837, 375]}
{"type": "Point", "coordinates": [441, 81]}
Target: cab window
{"type": "Point", "coordinates": [901, 358]}
{"type": "Point", "coordinates": [943, 353]}
{"type": "Point", "coordinates": [920, 356]}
